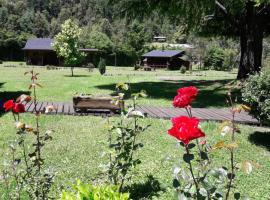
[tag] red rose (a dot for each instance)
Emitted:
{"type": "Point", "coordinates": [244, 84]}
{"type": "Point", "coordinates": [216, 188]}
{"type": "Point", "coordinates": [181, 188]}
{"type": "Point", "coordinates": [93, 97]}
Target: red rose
{"type": "Point", "coordinates": [185, 96]}
{"type": "Point", "coordinates": [8, 105]}
{"type": "Point", "coordinates": [18, 108]}
{"type": "Point", "coordinates": [185, 129]}
{"type": "Point", "coordinates": [181, 101]}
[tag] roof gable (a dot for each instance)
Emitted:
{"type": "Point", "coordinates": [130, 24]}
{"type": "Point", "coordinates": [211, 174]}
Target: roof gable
{"type": "Point", "coordinates": [163, 53]}
{"type": "Point", "coordinates": [45, 44]}
{"type": "Point", "coordinates": [39, 44]}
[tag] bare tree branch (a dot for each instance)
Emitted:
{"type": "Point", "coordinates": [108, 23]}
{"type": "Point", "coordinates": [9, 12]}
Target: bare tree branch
{"type": "Point", "coordinates": [221, 7]}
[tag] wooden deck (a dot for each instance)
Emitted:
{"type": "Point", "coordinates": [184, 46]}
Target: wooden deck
{"type": "Point", "coordinates": [204, 114]}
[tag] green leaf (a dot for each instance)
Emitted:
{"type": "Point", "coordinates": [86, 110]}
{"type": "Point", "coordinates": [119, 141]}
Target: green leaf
{"type": "Point", "coordinates": [188, 157]}
{"type": "Point", "coordinates": [237, 195]}
{"type": "Point", "coordinates": [176, 183]}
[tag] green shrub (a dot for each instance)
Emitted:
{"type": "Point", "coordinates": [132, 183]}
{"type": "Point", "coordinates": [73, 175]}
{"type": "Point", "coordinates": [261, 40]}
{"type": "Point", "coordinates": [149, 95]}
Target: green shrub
{"type": "Point", "coordinates": [183, 69]}
{"type": "Point", "coordinates": [256, 93]}
{"type": "Point", "coordinates": [229, 59]}
{"type": "Point", "coordinates": [214, 58]}
{"type": "Point", "coordinates": [1, 62]}
{"type": "Point", "coordinates": [90, 192]}
{"type": "Point", "coordinates": [102, 66]}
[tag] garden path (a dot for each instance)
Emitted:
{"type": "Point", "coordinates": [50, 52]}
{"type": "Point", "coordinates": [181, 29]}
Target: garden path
{"type": "Point", "coordinates": [204, 114]}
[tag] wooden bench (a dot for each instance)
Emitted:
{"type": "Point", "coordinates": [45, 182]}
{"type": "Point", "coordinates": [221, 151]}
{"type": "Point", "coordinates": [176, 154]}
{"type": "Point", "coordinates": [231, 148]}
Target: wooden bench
{"type": "Point", "coordinates": [94, 103]}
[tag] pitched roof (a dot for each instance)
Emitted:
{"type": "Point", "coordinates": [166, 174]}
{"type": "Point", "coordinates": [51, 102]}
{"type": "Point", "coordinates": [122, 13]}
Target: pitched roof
{"type": "Point", "coordinates": [163, 53]}
{"type": "Point", "coordinates": [39, 44]}
{"type": "Point", "coordinates": [45, 44]}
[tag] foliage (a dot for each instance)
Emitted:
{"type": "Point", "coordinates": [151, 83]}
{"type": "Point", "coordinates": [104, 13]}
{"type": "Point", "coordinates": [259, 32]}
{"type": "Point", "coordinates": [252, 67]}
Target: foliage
{"type": "Point", "coordinates": [90, 192]}
{"type": "Point", "coordinates": [183, 69]}
{"type": "Point", "coordinates": [66, 44]}
{"type": "Point", "coordinates": [230, 59]}
{"type": "Point", "coordinates": [102, 66]}
{"type": "Point", "coordinates": [26, 166]}
{"type": "Point", "coordinates": [123, 142]}
{"type": "Point", "coordinates": [97, 40]}
{"type": "Point", "coordinates": [219, 58]}
{"type": "Point", "coordinates": [256, 93]}
{"type": "Point", "coordinates": [214, 58]}
{"type": "Point", "coordinates": [203, 180]}
{"type": "Point", "coordinates": [98, 19]}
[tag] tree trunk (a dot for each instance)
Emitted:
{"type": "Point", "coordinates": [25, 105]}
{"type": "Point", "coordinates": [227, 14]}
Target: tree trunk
{"type": "Point", "coordinates": [251, 42]}
{"type": "Point", "coordinates": [72, 71]}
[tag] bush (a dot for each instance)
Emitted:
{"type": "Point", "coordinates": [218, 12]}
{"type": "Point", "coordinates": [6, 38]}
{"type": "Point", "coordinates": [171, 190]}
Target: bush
{"type": "Point", "coordinates": [230, 59]}
{"type": "Point", "coordinates": [1, 62]}
{"type": "Point", "coordinates": [102, 66]}
{"type": "Point", "coordinates": [183, 69]}
{"type": "Point", "coordinates": [89, 192]}
{"type": "Point", "coordinates": [256, 93]}
{"type": "Point", "coordinates": [214, 58]}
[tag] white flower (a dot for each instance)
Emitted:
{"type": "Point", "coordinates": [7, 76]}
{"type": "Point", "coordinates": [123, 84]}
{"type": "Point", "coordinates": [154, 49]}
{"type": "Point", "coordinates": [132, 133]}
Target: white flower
{"type": "Point", "coordinates": [225, 130]}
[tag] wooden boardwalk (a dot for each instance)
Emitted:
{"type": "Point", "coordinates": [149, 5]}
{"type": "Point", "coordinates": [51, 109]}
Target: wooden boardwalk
{"type": "Point", "coordinates": [204, 114]}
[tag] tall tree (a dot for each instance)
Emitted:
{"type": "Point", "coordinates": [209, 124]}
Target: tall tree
{"type": "Point", "coordinates": [249, 19]}
{"type": "Point", "coordinates": [66, 44]}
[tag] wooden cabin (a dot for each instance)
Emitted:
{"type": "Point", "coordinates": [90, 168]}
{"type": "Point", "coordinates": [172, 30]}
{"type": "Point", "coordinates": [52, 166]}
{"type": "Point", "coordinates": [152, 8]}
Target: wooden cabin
{"type": "Point", "coordinates": [170, 59]}
{"type": "Point", "coordinates": [39, 51]}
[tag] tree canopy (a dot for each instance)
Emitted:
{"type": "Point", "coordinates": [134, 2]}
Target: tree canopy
{"type": "Point", "coordinates": [249, 19]}
{"type": "Point", "coordinates": [23, 19]}
{"type": "Point", "coordinates": [66, 44]}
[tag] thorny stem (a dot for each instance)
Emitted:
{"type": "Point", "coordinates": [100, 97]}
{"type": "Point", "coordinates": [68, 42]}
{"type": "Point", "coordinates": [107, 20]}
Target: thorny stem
{"type": "Point", "coordinates": [38, 147]}
{"type": "Point", "coordinates": [25, 158]}
{"type": "Point", "coordinates": [110, 143]}
{"type": "Point", "coordinates": [14, 117]}
{"type": "Point", "coordinates": [15, 175]}
{"type": "Point", "coordinates": [189, 112]}
{"type": "Point", "coordinates": [192, 173]}
{"type": "Point", "coordinates": [231, 177]}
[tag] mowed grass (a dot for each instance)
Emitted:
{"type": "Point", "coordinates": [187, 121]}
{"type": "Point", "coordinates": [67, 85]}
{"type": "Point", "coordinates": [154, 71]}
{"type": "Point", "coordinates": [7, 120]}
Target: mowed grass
{"type": "Point", "coordinates": [79, 143]}
{"type": "Point", "coordinates": [161, 85]}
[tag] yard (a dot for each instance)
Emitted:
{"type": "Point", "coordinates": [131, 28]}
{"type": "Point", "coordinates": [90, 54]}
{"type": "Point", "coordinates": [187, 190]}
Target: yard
{"type": "Point", "coordinates": [79, 142]}
{"type": "Point", "coordinates": [160, 85]}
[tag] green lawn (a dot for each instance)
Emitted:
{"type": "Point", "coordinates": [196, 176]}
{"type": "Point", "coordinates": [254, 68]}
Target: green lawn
{"type": "Point", "coordinates": [78, 142]}
{"type": "Point", "coordinates": [160, 85]}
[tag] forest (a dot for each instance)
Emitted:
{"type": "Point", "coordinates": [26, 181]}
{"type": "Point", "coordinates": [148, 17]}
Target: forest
{"type": "Point", "coordinates": [103, 27]}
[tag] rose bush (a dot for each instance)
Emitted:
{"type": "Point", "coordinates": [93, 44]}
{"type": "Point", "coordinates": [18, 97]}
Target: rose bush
{"type": "Point", "coordinates": [203, 181]}
{"type": "Point", "coordinates": [24, 173]}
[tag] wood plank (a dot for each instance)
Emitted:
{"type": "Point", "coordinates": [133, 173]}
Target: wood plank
{"type": "Point", "coordinates": [149, 111]}
{"type": "Point", "coordinates": [28, 106]}
{"type": "Point", "coordinates": [59, 109]}
{"type": "Point", "coordinates": [141, 109]}
{"type": "Point", "coordinates": [179, 112]}
{"type": "Point", "coordinates": [154, 112]}
{"type": "Point", "coordinates": [165, 112]}
{"type": "Point", "coordinates": [196, 113]}
{"type": "Point", "coordinates": [71, 110]}
{"type": "Point", "coordinates": [212, 114]}
{"type": "Point", "coordinates": [54, 112]}
{"type": "Point", "coordinates": [43, 107]}
{"type": "Point", "coordinates": [39, 104]}
{"type": "Point", "coordinates": [225, 113]}
{"type": "Point", "coordinates": [65, 108]}
{"type": "Point", "coordinates": [31, 107]}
